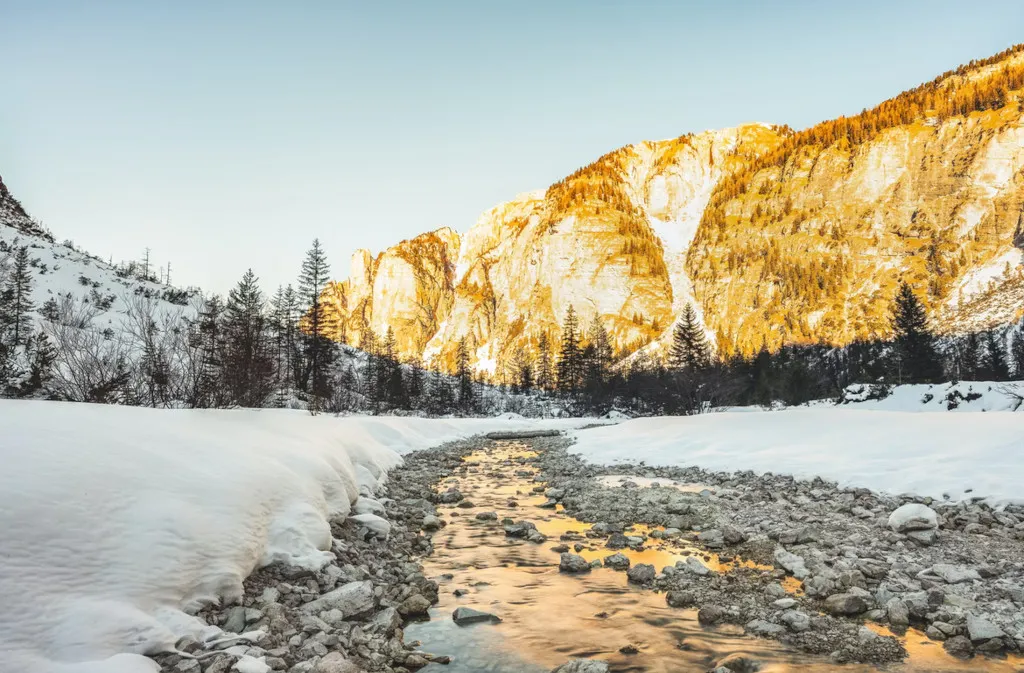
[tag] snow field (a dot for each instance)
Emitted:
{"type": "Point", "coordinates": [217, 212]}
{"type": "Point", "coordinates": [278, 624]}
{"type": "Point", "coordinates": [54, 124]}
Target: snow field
{"type": "Point", "coordinates": [928, 453]}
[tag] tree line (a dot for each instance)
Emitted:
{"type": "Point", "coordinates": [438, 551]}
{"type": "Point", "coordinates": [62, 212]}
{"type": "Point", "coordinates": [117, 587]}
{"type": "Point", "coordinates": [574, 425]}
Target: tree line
{"type": "Point", "coordinates": [691, 379]}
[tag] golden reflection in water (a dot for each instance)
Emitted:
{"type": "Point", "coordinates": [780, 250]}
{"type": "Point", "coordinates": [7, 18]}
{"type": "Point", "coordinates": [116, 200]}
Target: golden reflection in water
{"type": "Point", "coordinates": [550, 616]}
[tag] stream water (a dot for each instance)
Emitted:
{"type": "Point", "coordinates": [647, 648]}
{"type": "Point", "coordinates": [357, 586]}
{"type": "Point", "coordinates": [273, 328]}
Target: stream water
{"type": "Point", "coordinates": [549, 616]}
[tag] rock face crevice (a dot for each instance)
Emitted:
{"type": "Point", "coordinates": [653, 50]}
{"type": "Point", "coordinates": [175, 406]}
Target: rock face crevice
{"type": "Point", "coordinates": [775, 237]}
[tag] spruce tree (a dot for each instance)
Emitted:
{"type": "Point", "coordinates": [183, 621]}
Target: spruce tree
{"type": "Point", "coordinates": [600, 360]}
{"type": "Point", "coordinates": [16, 301]}
{"type": "Point", "coordinates": [1017, 351]}
{"type": "Point", "coordinates": [248, 365]}
{"type": "Point", "coordinates": [318, 326]}
{"type": "Point", "coordinates": [690, 349]}
{"type": "Point", "coordinates": [915, 346]}
{"type": "Point", "coordinates": [569, 356]}
{"type": "Point", "coordinates": [466, 398]}
{"type": "Point", "coordinates": [970, 358]}
{"type": "Point", "coordinates": [544, 376]}
{"type": "Point", "coordinates": [995, 364]}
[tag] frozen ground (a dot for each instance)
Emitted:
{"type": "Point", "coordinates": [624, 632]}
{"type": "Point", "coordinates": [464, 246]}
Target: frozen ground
{"type": "Point", "coordinates": [928, 453]}
{"type": "Point", "coordinates": [117, 522]}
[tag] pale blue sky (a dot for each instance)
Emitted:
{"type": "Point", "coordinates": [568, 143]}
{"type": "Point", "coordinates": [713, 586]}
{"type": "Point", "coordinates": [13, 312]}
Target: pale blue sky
{"type": "Point", "coordinates": [226, 134]}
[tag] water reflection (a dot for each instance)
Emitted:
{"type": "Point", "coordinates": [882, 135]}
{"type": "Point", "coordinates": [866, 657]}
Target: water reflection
{"type": "Point", "coordinates": [550, 616]}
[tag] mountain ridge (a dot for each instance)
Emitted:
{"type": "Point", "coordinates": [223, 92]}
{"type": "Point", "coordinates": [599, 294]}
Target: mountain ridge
{"type": "Point", "coordinates": [775, 236]}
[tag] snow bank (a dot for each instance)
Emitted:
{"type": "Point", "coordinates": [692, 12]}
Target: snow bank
{"type": "Point", "coordinates": [928, 453]}
{"type": "Point", "coordinates": [117, 522]}
{"type": "Point", "coordinates": [970, 396]}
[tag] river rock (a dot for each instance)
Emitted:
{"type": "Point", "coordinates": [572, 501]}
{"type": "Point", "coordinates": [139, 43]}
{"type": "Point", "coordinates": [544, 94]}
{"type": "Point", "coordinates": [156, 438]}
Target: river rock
{"type": "Point", "coordinates": [414, 606]}
{"type": "Point", "coordinates": [712, 539]}
{"type": "Point", "coordinates": [765, 629]}
{"type": "Point", "coordinates": [791, 562]}
{"type": "Point", "coordinates": [350, 599]}
{"type": "Point", "coordinates": [463, 616]}
{"type": "Point", "coordinates": [486, 516]}
{"type": "Point", "coordinates": [582, 666]}
{"type": "Point", "coordinates": [520, 529]}
{"type": "Point", "coordinates": [959, 646]}
{"type": "Point", "coordinates": [430, 523]}
{"type": "Point", "coordinates": [335, 662]}
{"type": "Point", "coordinates": [617, 541]}
{"type": "Point", "coordinates": [617, 561]}
{"type": "Point", "coordinates": [949, 573]}
{"type": "Point", "coordinates": [913, 516]}
{"type": "Point", "coordinates": [796, 620]}
{"type": "Point", "coordinates": [572, 563]}
{"type": "Point", "coordinates": [642, 573]}
{"type": "Point", "coordinates": [710, 614]}
{"type": "Point", "coordinates": [733, 535]}
{"type": "Point", "coordinates": [680, 599]}
{"type": "Point", "coordinates": [845, 604]}
{"type": "Point", "coordinates": [899, 613]}
{"type": "Point", "coordinates": [980, 629]}
{"type": "Point", "coordinates": [450, 497]}
{"type": "Point", "coordinates": [693, 566]}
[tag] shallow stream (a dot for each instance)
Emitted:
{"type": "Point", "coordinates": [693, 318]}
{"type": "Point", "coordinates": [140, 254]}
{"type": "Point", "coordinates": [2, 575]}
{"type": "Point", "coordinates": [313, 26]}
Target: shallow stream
{"type": "Point", "coordinates": [549, 616]}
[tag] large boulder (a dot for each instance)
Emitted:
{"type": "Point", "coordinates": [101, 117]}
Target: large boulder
{"type": "Point", "coordinates": [463, 616]}
{"type": "Point", "coordinates": [845, 604]}
{"type": "Point", "coordinates": [980, 629]}
{"type": "Point", "coordinates": [642, 573]}
{"type": "Point", "coordinates": [913, 516]}
{"type": "Point", "coordinates": [350, 599]}
{"type": "Point", "coordinates": [573, 563]}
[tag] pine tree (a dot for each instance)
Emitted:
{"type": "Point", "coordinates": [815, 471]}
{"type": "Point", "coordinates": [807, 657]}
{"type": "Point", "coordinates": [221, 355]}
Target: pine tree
{"type": "Point", "coordinates": [1017, 350]}
{"type": "Point", "coordinates": [544, 376]}
{"type": "Point", "coordinates": [319, 326]}
{"type": "Point", "coordinates": [42, 357]}
{"type": "Point", "coordinates": [994, 363]}
{"type": "Point", "coordinates": [466, 397]}
{"type": "Point", "coordinates": [970, 358]}
{"type": "Point", "coordinates": [690, 349]}
{"type": "Point", "coordinates": [569, 356]}
{"type": "Point", "coordinates": [918, 358]}
{"type": "Point", "coordinates": [248, 365]}
{"type": "Point", "coordinates": [522, 370]}
{"type": "Point", "coordinates": [441, 400]}
{"type": "Point", "coordinates": [601, 358]}
{"type": "Point", "coordinates": [210, 391]}
{"type": "Point", "coordinates": [16, 301]}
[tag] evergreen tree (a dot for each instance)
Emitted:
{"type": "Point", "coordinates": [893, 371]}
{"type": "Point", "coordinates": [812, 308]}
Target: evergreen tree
{"type": "Point", "coordinates": [210, 391]}
{"type": "Point", "coordinates": [248, 364]}
{"type": "Point", "coordinates": [1017, 351]}
{"type": "Point", "coordinates": [319, 325]}
{"type": "Point", "coordinates": [466, 396]}
{"type": "Point", "coordinates": [570, 355]}
{"type": "Point", "coordinates": [994, 363]}
{"type": "Point", "coordinates": [42, 357]}
{"type": "Point", "coordinates": [16, 301]}
{"type": "Point", "coordinates": [522, 370]}
{"type": "Point", "coordinates": [441, 400]}
{"type": "Point", "coordinates": [970, 358]}
{"type": "Point", "coordinates": [600, 360]}
{"type": "Point", "coordinates": [544, 376]}
{"type": "Point", "coordinates": [414, 382]}
{"type": "Point", "coordinates": [690, 349]}
{"type": "Point", "coordinates": [918, 358]}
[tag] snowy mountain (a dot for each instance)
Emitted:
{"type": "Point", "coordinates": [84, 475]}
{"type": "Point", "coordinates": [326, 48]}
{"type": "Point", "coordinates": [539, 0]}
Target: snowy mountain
{"type": "Point", "coordinates": [775, 236]}
{"type": "Point", "coordinates": [64, 274]}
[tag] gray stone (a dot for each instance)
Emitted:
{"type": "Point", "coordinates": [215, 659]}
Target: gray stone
{"type": "Point", "coordinates": [710, 614]}
{"type": "Point", "coordinates": [463, 616]}
{"type": "Point", "coordinates": [980, 629]}
{"type": "Point", "coordinates": [845, 604]}
{"type": "Point", "coordinates": [617, 561]}
{"type": "Point", "coordinates": [959, 646]}
{"type": "Point", "coordinates": [414, 606]}
{"type": "Point", "coordinates": [582, 666]}
{"type": "Point", "coordinates": [791, 562]}
{"type": "Point", "coordinates": [351, 599]}
{"type": "Point", "coordinates": [766, 629]}
{"type": "Point", "coordinates": [796, 620]}
{"type": "Point", "coordinates": [680, 599]}
{"type": "Point", "coordinates": [712, 539]}
{"type": "Point", "coordinates": [335, 662]}
{"type": "Point", "coordinates": [899, 614]}
{"type": "Point", "coordinates": [571, 563]}
{"type": "Point", "coordinates": [430, 523]}
{"type": "Point", "coordinates": [642, 573]}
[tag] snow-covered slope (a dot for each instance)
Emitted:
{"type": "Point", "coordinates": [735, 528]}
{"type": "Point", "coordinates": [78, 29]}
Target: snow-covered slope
{"type": "Point", "coordinates": [60, 270]}
{"type": "Point", "coordinates": [961, 396]}
{"type": "Point", "coordinates": [118, 521]}
{"type": "Point", "coordinates": [931, 453]}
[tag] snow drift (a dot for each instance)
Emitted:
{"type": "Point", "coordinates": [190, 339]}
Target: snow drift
{"type": "Point", "coordinates": [118, 522]}
{"type": "Point", "coordinates": [927, 453]}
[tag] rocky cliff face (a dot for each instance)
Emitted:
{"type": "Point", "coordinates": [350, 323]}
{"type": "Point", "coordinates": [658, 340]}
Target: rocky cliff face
{"type": "Point", "coordinates": [13, 215]}
{"type": "Point", "coordinates": [774, 236]}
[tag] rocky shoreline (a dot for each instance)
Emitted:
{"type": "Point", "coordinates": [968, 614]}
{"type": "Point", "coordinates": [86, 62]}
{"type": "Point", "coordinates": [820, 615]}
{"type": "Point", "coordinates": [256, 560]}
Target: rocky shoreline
{"type": "Point", "coordinates": [820, 568]}
{"type": "Point", "coordinates": [954, 571]}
